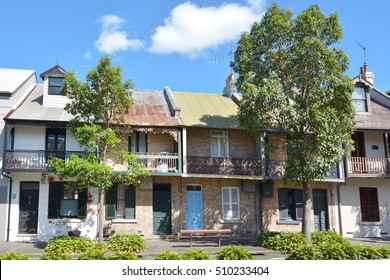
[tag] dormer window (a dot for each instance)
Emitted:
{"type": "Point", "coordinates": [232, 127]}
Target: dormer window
{"type": "Point", "coordinates": [55, 84]}
{"type": "Point", "coordinates": [359, 99]}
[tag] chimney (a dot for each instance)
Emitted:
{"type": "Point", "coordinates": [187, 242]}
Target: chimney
{"type": "Point", "coordinates": [230, 87]}
{"type": "Point", "coordinates": [369, 76]}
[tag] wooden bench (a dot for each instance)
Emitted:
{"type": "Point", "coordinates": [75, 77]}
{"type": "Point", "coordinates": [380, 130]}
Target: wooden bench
{"type": "Point", "coordinates": [205, 233]}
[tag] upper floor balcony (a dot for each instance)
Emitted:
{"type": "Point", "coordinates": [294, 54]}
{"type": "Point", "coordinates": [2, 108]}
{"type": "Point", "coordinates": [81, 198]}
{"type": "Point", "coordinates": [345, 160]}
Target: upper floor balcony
{"type": "Point", "coordinates": [367, 167]}
{"type": "Point", "coordinates": [33, 160]}
{"type": "Point", "coordinates": [224, 166]}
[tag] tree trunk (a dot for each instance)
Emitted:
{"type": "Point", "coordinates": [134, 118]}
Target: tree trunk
{"type": "Point", "coordinates": [307, 206]}
{"type": "Point", "coordinates": [101, 213]}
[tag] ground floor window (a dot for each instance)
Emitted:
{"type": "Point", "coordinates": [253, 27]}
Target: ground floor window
{"type": "Point", "coordinates": [230, 203]}
{"type": "Point", "coordinates": [290, 204]}
{"type": "Point", "coordinates": [369, 206]}
{"type": "Point", "coordinates": [64, 203]}
{"type": "Point", "coordinates": [120, 202]}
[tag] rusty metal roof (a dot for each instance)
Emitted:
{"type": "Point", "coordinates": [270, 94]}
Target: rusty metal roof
{"type": "Point", "coordinates": [150, 109]}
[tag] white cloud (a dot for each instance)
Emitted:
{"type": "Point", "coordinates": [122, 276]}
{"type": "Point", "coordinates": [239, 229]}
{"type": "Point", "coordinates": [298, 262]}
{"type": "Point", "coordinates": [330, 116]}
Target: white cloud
{"type": "Point", "coordinates": [113, 38]}
{"type": "Point", "coordinates": [191, 30]}
{"type": "Point", "coordinates": [88, 55]}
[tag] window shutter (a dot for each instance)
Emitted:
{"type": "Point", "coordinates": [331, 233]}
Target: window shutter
{"type": "Point", "coordinates": [299, 204]}
{"type": "Point", "coordinates": [54, 206]}
{"type": "Point", "coordinates": [130, 202]}
{"type": "Point", "coordinates": [283, 201]}
{"type": "Point", "coordinates": [82, 203]}
{"type": "Point", "coordinates": [111, 203]}
{"type": "Point", "coordinates": [225, 203]}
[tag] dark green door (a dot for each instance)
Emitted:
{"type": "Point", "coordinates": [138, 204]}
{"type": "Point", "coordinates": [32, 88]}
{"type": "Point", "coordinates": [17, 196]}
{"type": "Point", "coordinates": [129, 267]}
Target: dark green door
{"type": "Point", "coordinates": [161, 209]}
{"type": "Point", "coordinates": [320, 205]}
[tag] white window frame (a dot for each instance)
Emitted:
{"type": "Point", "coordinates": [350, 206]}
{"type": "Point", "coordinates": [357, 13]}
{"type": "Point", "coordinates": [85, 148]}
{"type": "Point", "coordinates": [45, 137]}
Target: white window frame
{"type": "Point", "coordinates": [222, 139]}
{"type": "Point", "coordinates": [227, 206]}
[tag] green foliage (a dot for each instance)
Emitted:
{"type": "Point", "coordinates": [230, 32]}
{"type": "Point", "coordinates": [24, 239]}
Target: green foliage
{"type": "Point", "coordinates": [330, 251]}
{"type": "Point", "coordinates": [55, 256]}
{"type": "Point", "coordinates": [68, 244]}
{"type": "Point", "coordinates": [327, 236]}
{"type": "Point", "coordinates": [233, 252]}
{"type": "Point", "coordinates": [95, 254]}
{"type": "Point", "coordinates": [196, 255]}
{"type": "Point", "coordinates": [14, 256]}
{"type": "Point", "coordinates": [124, 256]}
{"type": "Point", "coordinates": [127, 243]}
{"type": "Point", "coordinates": [385, 252]}
{"type": "Point", "coordinates": [168, 255]}
{"type": "Point", "coordinates": [285, 242]}
{"type": "Point", "coordinates": [364, 252]}
{"type": "Point", "coordinates": [306, 252]}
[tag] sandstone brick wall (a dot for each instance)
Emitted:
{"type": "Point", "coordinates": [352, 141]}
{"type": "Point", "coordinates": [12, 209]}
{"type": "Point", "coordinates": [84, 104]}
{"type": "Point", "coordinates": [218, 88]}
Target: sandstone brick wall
{"type": "Point", "coordinates": [271, 208]}
{"type": "Point", "coordinates": [241, 144]}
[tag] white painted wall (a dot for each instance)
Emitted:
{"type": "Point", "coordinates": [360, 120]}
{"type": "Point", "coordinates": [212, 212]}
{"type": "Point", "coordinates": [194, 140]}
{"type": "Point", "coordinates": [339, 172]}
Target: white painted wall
{"type": "Point", "coordinates": [30, 138]}
{"type": "Point", "coordinates": [371, 139]}
{"type": "Point", "coordinates": [49, 228]}
{"type": "Point", "coordinates": [53, 101]}
{"type": "Point", "coordinates": [350, 208]}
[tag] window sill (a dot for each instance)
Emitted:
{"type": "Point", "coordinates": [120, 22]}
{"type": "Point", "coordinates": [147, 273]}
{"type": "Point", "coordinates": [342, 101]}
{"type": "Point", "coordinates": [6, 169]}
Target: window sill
{"type": "Point", "coordinates": [124, 221]}
{"type": "Point", "coordinates": [288, 222]}
{"type": "Point", "coordinates": [231, 221]}
{"type": "Point", "coordinates": [371, 224]}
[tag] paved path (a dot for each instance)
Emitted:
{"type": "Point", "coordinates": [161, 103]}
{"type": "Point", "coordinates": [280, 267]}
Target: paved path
{"type": "Point", "coordinates": [155, 246]}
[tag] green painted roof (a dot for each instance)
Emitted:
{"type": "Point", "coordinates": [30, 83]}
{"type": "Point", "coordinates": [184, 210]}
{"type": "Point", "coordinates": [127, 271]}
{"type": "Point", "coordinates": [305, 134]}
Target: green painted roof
{"type": "Point", "coordinates": [207, 110]}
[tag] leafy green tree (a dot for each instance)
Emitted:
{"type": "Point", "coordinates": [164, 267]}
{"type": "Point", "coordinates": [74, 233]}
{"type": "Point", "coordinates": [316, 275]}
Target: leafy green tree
{"type": "Point", "coordinates": [292, 79]}
{"type": "Point", "coordinates": [98, 107]}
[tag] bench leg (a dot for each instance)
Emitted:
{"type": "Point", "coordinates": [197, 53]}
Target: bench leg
{"type": "Point", "coordinates": [219, 240]}
{"type": "Point", "coordinates": [190, 240]}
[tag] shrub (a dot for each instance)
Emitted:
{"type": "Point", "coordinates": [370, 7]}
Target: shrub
{"type": "Point", "coordinates": [127, 243]}
{"type": "Point", "coordinates": [196, 255]}
{"type": "Point", "coordinates": [333, 251]}
{"type": "Point", "coordinates": [69, 244]}
{"type": "Point", "coordinates": [285, 242]}
{"type": "Point", "coordinates": [233, 252]}
{"type": "Point", "coordinates": [55, 256]}
{"type": "Point", "coordinates": [14, 256]}
{"type": "Point", "coordinates": [168, 255]}
{"type": "Point", "coordinates": [363, 252]}
{"type": "Point", "coordinates": [95, 254]}
{"type": "Point", "coordinates": [124, 256]}
{"type": "Point", "coordinates": [328, 237]}
{"type": "Point", "coordinates": [385, 252]}
{"type": "Point", "coordinates": [306, 252]}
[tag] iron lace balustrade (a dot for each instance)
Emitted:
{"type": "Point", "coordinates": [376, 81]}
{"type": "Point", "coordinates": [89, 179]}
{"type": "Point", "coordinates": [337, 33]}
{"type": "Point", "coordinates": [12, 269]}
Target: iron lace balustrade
{"type": "Point", "coordinates": [159, 162]}
{"type": "Point", "coordinates": [33, 160]}
{"type": "Point", "coordinates": [224, 166]}
{"type": "Point", "coordinates": [275, 169]}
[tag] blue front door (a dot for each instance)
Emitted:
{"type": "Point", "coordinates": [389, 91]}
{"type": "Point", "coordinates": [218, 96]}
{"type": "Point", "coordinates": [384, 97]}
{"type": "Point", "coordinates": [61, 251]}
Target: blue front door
{"type": "Point", "coordinates": [194, 209]}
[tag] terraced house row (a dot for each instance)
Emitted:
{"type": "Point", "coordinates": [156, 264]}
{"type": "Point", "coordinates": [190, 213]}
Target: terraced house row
{"type": "Point", "coordinates": [206, 171]}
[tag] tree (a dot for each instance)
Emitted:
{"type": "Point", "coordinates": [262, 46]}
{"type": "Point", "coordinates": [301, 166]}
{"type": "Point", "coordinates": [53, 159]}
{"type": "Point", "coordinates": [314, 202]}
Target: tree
{"type": "Point", "coordinates": [291, 77]}
{"type": "Point", "coordinates": [98, 107]}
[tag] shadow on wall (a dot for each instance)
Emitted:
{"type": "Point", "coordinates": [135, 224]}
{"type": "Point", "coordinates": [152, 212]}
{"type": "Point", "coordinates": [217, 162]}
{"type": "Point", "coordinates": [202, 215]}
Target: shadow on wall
{"type": "Point", "coordinates": [368, 229]}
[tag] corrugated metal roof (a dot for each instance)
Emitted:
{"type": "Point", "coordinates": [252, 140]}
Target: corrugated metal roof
{"type": "Point", "coordinates": [150, 109]}
{"type": "Point", "coordinates": [11, 79]}
{"type": "Point", "coordinates": [207, 110]}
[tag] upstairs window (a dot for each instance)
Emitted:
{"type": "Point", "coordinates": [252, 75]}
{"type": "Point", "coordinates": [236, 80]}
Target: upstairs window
{"type": "Point", "coordinates": [55, 84]}
{"type": "Point", "coordinates": [219, 143]}
{"type": "Point", "coordinates": [359, 99]}
{"type": "Point", "coordinates": [138, 142]}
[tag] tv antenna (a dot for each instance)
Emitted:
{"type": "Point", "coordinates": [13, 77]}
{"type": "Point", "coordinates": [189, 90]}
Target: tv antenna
{"type": "Point", "coordinates": [364, 50]}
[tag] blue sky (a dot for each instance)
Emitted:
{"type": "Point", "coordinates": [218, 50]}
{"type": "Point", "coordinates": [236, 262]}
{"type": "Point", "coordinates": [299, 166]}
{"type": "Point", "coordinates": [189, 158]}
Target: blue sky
{"type": "Point", "coordinates": [183, 45]}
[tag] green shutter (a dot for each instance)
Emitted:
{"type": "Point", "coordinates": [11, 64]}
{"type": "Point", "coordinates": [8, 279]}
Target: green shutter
{"type": "Point", "coordinates": [283, 204]}
{"type": "Point", "coordinates": [299, 204]}
{"type": "Point", "coordinates": [82, 203]}
{"type": "Point", "coordinates": [130, 202]}
{"type": "Point", "coordinates": [111, 196]}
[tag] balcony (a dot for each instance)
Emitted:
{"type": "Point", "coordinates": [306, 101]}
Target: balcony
{"type": "Point", "coordinates": [33, 160]}
{"type": "Point", "coordinates": [365, 166]}
{"type": "Point", "coordinates": [275, 169]}
{"type": "Point", "coordinates": [223, 166]}
{"type": "Point", "coordinates": [160, 162]}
